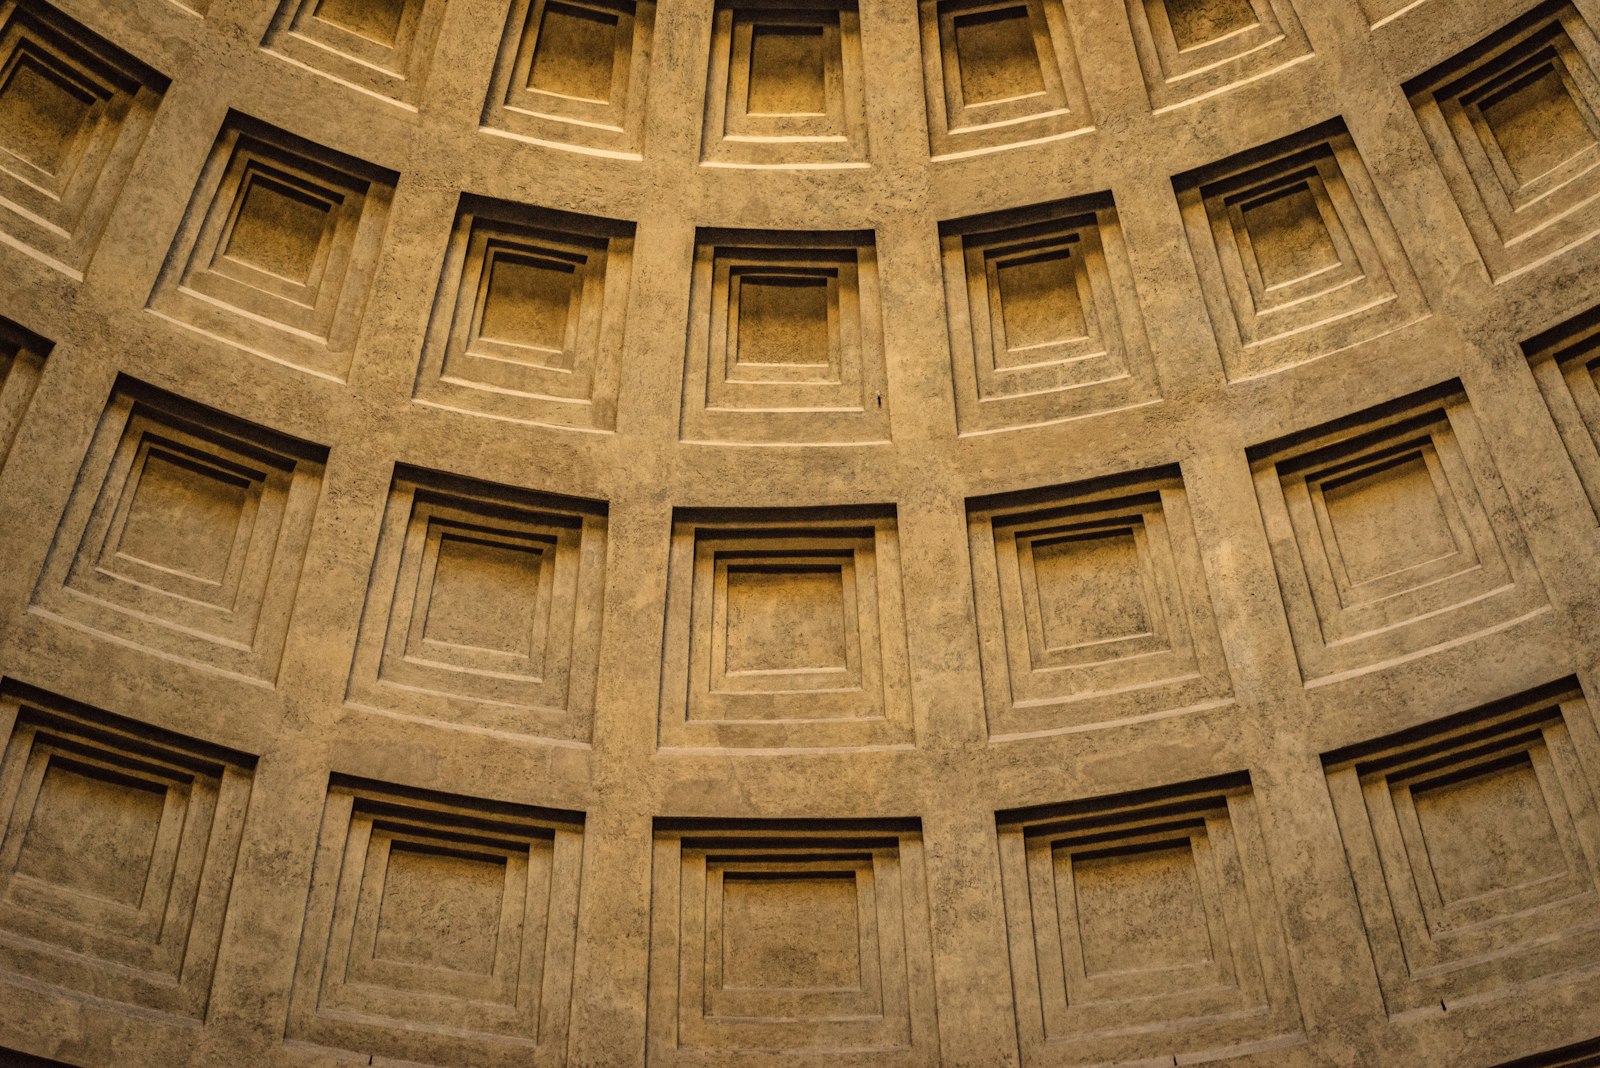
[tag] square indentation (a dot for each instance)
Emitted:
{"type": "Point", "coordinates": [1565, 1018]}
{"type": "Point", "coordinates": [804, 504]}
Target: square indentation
{"type": "Point", "coordinates": [803, 940]}
{"type": "Point", "coordinates": [185, 516]}
{"type": "Point", "coordinates": [1387, 530]}
{"type": "Point", "coordinates": [277, 249]}
{"type": "Point", "coordinates": [528, 325]}
{"type": "Point", "coordinates": [1472, 842]}
{"type": "Point", "coordinates": [1149, 913]}
{"type": "Point", "coordinates": [527, 304]}
{"type": "Point", "coordinates": [279, 229]}
{"type": "Point", "coordinates": [1140, 909]}
{"type": "Point", "coordinates": [788, 71]}
{"type": "Point", "coordinates": [484, 608]}
{"type": "Point", "coordinates": [1092, 600]}
{"type": "Point", "coordinates": [185, 535]}
{"type": "Point", "coordinates": [22, 357]}
{"type": "Point", "coordinates": [999, 73]}
{"type": "Point", "coordinates": [438, 926]}
{"type": "Point", "coordinates": [1190, 49]}
{"type": "Point", "coordinates": [786, 617]}
{"type": "Point", "coordinates": [1513, 122]}
{"type": "Point", "coordinates": [1289, 237]}
{"type": "Point", "coordinates": [117, 850]}
{"type": "Point", "coordinates": [42, 111]}
{"type": "Point", "coordinates": [376, 20]}
{"type": "Point", "coordinates": [1091, 588]}
{"type": "Point", "coordinates": [575, 54]}
{"type": "Point", "coordinates": [380, 47]}
{"type": "Point", "coordinates": [1296, 255]}
{"type": "Point", "coordinates": [785, 85]}
{"type": "Point", "coordinates": [793, 930]}
{"type": "Point", "coordinates": [1199, 22]}
{"type": "Point", "coordinates": [1536, 124]}
{"type": "Point", "coordinates": [486, 594]}
{"type": "Point", "coordinates": [783, 319]}
{"type": "Point", "coordinates": [572, 73]}
{"type": "Point", "coordinates": [999, 58]}
{"type": "Point", "coordinates": [784, 629]}
{"type": "Point", "coordinates": [1039, 303]}
{"type": "Point", "coordinates": [92, 831]}
{"type": "Point", "coordinates": [786, 343]}
{"type": "Point", "coordinates": [73, 112]}
{"type": "Point", "coordinates": [1388, 518]}
{"type": "Point", "coordinates": [1497, 813]}
{"type": "Point", "coordinates": [1044, 317]}
{"type": "Point", "coordinates": [440, 908]}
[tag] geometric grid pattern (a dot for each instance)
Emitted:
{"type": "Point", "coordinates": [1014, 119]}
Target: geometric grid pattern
{"type": "Point", "coordinates": [344, 521]}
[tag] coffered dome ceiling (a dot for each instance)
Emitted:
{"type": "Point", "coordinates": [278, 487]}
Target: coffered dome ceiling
{"type": "Point", "coordinates": [822, 532]}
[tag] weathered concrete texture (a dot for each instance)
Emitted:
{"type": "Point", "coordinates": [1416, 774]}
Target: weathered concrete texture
{"type": "Point", "coordinates": [810, 532]}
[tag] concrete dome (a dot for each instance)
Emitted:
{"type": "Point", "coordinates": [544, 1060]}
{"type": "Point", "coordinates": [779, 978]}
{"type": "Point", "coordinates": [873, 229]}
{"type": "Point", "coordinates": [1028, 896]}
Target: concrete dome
{"type": "Point", "coordinates": [820, 532]}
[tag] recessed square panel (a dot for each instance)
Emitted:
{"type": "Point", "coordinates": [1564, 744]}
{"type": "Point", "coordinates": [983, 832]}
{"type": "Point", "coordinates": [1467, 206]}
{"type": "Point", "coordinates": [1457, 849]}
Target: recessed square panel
{"type": "Point", "coordinates": [1566, 364]}
{"type": "Point", "coordinates": [440, 909]}
{"type": "Point", "coordinates": [186, 534]}
{"type": "Point", "coordinates": [1199, 22]}
{"type": "Point", "coordinates": [788, 72]}
{"type": "Point", "coordinates": [1140, 910]}
{"type": "Point", "coordinates": [1289, 237]}
{"type": "Point", "coordinates": [381, 48]}
{"type": "Point", "coordinates": [1389, 534]}
{"type": "Point", "coordinates": [575, 55]}
{"type": "Point", "coordinates": [1496, 814]}
{"type": "Point", "coordinates": [784, 319]}
{"type": "Point", "coordinates": [1090, 589]}
{"type": "Point", "coordinates": [117, 851]}
{"type": "Point", "coordinates": [999, 73]}
{"type": "Point", "coordinates": [785, 629]}
{"type": "Point", "coordinates": [184, 517]}
{"type": "Point", "coordinates": [1388, 519]}
{"type": "Point", "coordinates": [1536, 124]}
{"type": "Point", "coordinates": [785, 85]}
{"type": "Point", "coordinates": [1296, 254]}
{"type": "Point", "coordinates": [376, 20]}
{"type": "Point", "coordinates": [1191, 49]}
{"type": "Point", "coordinates": [74, 110]}
{"type": "Point", "coordinates": [527, 303]}
{"type": "Point", "coordinates": [786, 618]}
{"type": "Point", "coordinates": [485, 594]}
{"type": "Point", "coordinates": [809, 940]}
{"type": "Point", "coordinates": [571, 73]}
{"type": "Point", "coordinates": [1094, 600]}
{"type": "Point", "coordinates": [1472, 845]}
{"type": "Point", "coordinates": [794, 931]}
{"type": "Point", "coordinates": [278, 229]}
{"type": "Point", "coordinates": [276, 252]}
{"type": "Point", "coordinates": [438, 926]}
{"type": "Point", "coordinates": [1145, 914]}
{"type": "Point", "coordinates": [999, 60]}
{"type": "Point", "coordinates": [1515, 123]}
{"type": "Point", "coordinates": [484, 608]}
{"type": "Point", "coordinates": [785, 344]}
{"type": "Point", "coordinates": [528, 322]}
{"type": "Point", "coordinates": [1039, 303]}
{"type": "Point", "coordinates": [42, 112]}
{"type": "Point", "coordinates": [93, 832]}
{"type": "Point", "coordinates": [1045, 323]}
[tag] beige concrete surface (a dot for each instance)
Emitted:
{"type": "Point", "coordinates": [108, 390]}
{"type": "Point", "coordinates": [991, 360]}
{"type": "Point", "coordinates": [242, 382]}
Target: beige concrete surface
{"type": "Point", "coordinates": [822, 532]}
